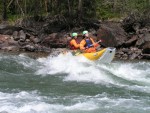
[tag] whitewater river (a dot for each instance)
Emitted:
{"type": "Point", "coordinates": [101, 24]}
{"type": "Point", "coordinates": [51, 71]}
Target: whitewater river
{"type": "Point", "coordinates": [72, 85]}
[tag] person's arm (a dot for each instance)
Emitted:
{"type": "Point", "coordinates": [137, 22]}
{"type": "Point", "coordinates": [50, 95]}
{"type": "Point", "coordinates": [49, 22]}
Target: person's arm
{"type": "Point", "coordinates": [93, 42]}
{"type": "Point", "coordinates": [82, 44]}
{"type": "Point", "coordinates": [74, 43]}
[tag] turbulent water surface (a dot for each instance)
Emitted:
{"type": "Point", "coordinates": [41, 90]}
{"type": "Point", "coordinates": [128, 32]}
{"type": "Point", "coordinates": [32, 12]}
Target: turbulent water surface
{"type": "Point", "coordinates": [67, 84]}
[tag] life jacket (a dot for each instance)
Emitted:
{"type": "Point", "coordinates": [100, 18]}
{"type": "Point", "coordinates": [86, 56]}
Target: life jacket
{"type": "Point", "coordinates": [88, 43]}
{"type": "Point", "coordinates": [72, 46]}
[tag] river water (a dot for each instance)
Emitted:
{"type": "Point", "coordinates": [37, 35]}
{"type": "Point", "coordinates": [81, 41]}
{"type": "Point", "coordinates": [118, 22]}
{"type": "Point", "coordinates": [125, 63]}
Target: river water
{"type": "Point", "coordinates": [67, 84]}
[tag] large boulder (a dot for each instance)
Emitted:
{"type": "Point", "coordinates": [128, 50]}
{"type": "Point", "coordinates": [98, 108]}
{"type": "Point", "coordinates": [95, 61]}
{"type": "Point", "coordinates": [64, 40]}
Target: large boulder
{"type": "Point", "coordinates": [146, 48]}
{"type": "Point", "coordinates": [55, 40]}
{"type": "Point", "coordinates": [49, 39]}
{"type": "Point", "coordinates": [131, 41]}
{"type": "Point", "coordinates": [7, 43]}
{"type": "Point", "coordinates": [22, 35]}
{"type": "Point", "coordinates": [142, 40]}
{"type": "Point", "coordinates": [147, 37]}
{"type": "Point", "coordinates": [8, 29]}
{"type": "Point", "coordinates": [15, 35]}
{"type": "Point", "coordinates": [111, 34]}
{"type": "Point", "coordinates": [135, 21]}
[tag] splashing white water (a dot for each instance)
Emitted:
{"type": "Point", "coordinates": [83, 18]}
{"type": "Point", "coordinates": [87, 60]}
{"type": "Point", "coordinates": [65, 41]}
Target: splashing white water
{"type": "Point", "coordinates": [117, 75]}
{"type": "Point", "coordinates": [90, 71]}
{"type": "Point", "coordinates": [78, 69]}
{"type": "Point", "coordinates": [130, 72]}
{"type": "Point", "coordinates": [82, 70]}
{"type": "Point", "coordinates": [31, 102]}
{"type": "Point", "coordinates": [25, 102]}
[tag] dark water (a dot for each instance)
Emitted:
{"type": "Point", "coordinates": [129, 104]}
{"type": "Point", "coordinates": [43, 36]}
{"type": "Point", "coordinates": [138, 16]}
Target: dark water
{"type": "Point", "coordinates": [72, 85]}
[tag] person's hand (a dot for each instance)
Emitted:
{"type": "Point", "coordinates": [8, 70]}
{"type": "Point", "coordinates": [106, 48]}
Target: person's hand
{"type": "Point", "coordinates": [96, 45]}
{"type": "Point", "coordinates": [100, 40]}
{"type": "Point", "coordinates": [86, 47]}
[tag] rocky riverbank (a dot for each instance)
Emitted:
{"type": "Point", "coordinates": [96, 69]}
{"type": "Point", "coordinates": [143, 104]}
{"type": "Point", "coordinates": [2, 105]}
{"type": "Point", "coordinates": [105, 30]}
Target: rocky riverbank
{"type": "Point", "coordinates": [131, 36]}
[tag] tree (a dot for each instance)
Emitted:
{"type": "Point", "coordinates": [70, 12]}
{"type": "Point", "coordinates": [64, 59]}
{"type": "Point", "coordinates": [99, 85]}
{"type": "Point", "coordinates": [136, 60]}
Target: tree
{"type": "Point", "coordinates": [69, 8]}
{"type": "Point", "coordinates": [4, 17]}
{"type": "Point", "coordinates": [80, 10]}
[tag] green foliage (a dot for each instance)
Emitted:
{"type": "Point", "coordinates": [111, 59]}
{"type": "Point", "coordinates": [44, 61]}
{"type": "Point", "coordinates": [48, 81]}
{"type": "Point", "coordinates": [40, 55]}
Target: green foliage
{"type": "Point", "coordinates": [101, 9]}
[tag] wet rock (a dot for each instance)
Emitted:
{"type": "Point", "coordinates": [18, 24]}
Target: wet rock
{"type": "Point", "coordinates": [117, 56]}
{"type": "Point", "coordinates": [22, 35]}
{"type": "Point", "coordinates": [8, 30]}
{"type": "Point", "coordinates": [120, 52]}
{"type": "Point", "coordinates": [2, 39]}
{"type": "Point", "coordinates": [112, 35]}
{"type": "Point", "coordinates": [55, 40]}
{"type": "Point", "coordinates": [146, 56]}
{"type": "Point", "coordinates": [140, 42]}
{"type": "Point", "coordinates": [146, 48]}
{"type": "Point", "coordinates": [34, 39]}
{"type": "Point", "coordinates": [10, 48]}
{"type": "Point", "coordinates": [28, 40]}
{"type": "Point", "coordinates": [124, 56]}
{"type": "Point", "coordinates": [133, 56]}
{"type": "Point", "coordinates": [29, 48]}
{"type": "Point", "coordinates": [125, 50]}
{"type": "Point", "coordinates": [130, 52]}
{"type": "Point", "coordinates": [12, 42]}
{"type": "Point", "coordinates": [39, 48]}
{"type": "Point", "coordinates": [131, 41]}
{"type": "Point", "coordinates": [57, 51]}
{"type": "Point", "coordinates": [49, 39]}
{"type": "Point", "coordinates": [137, 22]}
{"type": "Point", "coordinates": [147, 37]}
{"type": "Point", "coordinates": [46, 49]}
{"type": "Point", "coordinates": [15, 36]}
{"type": "Point", "coordinates": [22, 43]}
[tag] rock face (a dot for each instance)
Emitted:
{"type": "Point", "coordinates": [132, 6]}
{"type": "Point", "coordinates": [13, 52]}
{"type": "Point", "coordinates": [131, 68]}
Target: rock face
{"type": "Point", "coordinates": [146, 48]}
{"type": "Point", "coordinates": [131, 41]}
{"type": "Point", "coordinates": [112, 35]}
{"type": "Point", "coordinates": [131, 37]}
{"type": "Point", "coordinates": [8, 43]}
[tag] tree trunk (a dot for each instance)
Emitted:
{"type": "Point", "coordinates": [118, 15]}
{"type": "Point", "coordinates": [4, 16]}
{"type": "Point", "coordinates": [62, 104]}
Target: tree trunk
{"type": "Point", "coordinates": [25, 7]}
{"type": "Point", "coordinates": [79, 10]}
{"type": "Point", "coordinates": [69, 9]}
{"type": "Point", "coordinates": [46, 6]}
{"type": "Point", "coordinates": [36, 8]}
{"type": "Point", "coordinates": [4, 10]}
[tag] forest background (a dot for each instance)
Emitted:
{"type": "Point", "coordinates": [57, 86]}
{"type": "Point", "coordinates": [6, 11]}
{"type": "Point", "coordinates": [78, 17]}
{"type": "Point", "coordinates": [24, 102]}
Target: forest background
{"type": "Point", "coordinates": [12, 10]}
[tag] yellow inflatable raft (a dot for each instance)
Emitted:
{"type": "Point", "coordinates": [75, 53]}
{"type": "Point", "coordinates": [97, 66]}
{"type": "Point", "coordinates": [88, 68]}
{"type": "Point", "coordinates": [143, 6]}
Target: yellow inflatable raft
{"type": "Point", "coordinates": [105, 55]}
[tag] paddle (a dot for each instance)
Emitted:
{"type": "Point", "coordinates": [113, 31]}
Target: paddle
{"type": "Point", "coordinates": [95, 43]}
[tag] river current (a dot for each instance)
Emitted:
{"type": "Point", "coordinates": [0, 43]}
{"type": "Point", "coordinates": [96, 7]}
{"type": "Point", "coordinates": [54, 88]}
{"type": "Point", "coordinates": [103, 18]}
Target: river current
{"type": "Point", "coordinates": [68, 84]}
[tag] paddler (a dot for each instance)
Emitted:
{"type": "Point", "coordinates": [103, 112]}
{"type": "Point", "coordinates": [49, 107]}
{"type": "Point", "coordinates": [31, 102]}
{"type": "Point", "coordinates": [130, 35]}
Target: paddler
{"type": "Point", "coordinates": [74, 43]}
{"type": "Point", "coordinates": [87, 44]}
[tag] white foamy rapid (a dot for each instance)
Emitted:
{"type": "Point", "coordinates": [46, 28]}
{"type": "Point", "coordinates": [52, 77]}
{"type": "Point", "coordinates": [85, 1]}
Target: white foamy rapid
{"type": "Point", "coordinates": [85, 86]}
{"type": "Point", "coordinates": [19, 60]}
{"type": "Point", "coordinates": [131, 75]}
{"type": "Point", "coordinates": [77, 69]}
{"type": "Point", "coordinates": [32, 102]}
{"type": "Point", "coordinates": [82, 70]}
